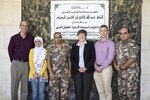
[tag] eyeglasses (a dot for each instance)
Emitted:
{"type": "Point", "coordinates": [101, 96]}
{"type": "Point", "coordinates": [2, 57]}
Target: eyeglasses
{"type": "Point", "coordinates": [123, 33]}
{"type": "Point", "coordinates": [24, 25]}
{"type": "Point", "coordinates": [37, 41]}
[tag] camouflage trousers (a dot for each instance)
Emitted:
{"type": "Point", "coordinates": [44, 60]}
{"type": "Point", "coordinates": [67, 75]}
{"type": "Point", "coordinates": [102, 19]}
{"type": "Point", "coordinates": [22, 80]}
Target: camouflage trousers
{"type": "Point", "coordinates": [59, 88]}
{"type": "Point", "coordinates": [128, 82]}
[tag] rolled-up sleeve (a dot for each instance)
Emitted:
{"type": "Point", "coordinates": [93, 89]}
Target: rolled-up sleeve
{"type": "Point", "coordinates": [48, 56]}
{"type": "Point", "coordinates": [134, 50]}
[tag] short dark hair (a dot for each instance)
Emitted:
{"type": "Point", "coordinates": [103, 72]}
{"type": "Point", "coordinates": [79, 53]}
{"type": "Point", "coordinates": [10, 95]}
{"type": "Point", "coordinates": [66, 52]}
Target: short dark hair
{"type": "Point", "coordinates": [24, 21]}
{"type": "Point", "coordinates": [57, 33]}
{"type": "Point", "coordinates": [104, 26]}
{"type": "Point", "coordinates": [126, 28]}
{"type": "Point", "coordinates": [82, 31]}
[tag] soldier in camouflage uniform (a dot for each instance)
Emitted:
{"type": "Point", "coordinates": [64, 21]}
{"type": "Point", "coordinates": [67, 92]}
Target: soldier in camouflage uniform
{"type": "Point", "coordinates": [127, 66]}
{"type": "Point", "coordinates": [59, 67]}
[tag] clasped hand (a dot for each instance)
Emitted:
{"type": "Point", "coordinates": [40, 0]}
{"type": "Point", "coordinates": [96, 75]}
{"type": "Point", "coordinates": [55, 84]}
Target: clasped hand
{"type": "Point", "coordinates": [82, 69]}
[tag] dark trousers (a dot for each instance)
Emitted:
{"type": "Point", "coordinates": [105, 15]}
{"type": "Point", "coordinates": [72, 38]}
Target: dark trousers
{"type": "Point", "coordinates": [19, 72]}
{"type": "Point", "coordinates": [83, 85]}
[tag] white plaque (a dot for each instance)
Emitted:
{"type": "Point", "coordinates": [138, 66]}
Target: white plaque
{"type": "Point", "coordinates": [68, 17]}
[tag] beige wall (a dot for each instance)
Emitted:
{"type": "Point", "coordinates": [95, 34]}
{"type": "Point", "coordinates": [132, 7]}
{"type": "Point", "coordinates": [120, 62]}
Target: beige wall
{"type": "Point", "coordinates": [145, 52]}
{"type": "Point", "coordinates": [10, 16]}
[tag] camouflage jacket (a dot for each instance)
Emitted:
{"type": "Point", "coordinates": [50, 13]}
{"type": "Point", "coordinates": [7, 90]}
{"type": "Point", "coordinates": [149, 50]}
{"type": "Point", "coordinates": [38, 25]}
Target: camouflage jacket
{"type": "Point", "coordinates": [125, 50]}
{"type": "Point", "coordinates": [59, 59]}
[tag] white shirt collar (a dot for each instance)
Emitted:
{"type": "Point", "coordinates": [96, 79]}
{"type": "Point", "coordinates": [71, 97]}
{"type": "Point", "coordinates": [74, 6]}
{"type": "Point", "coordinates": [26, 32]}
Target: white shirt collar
{"type": "Point", "coordinates": [78, 44]}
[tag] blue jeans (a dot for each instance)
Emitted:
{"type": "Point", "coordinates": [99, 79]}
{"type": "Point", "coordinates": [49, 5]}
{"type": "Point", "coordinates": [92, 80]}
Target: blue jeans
{"type": "Point", "coordinates": [38, 87]}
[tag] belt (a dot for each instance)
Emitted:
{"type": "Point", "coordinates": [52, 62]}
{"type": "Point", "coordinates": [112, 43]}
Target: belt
{"type": "Point", "coordinates": [20, 60]}
{"type": "Point", "coordinates": [98, 65]}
